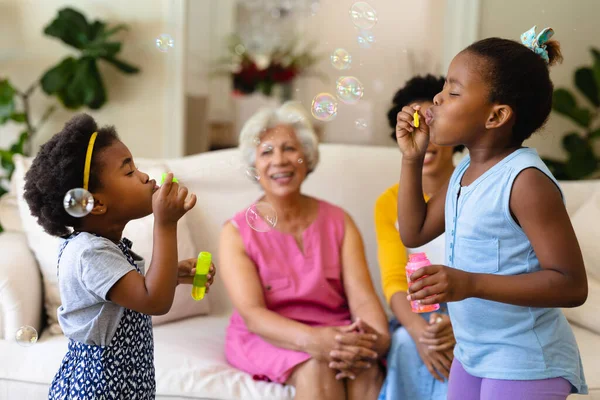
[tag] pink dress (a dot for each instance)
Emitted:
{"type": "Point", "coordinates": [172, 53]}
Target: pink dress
{"type": "Point", "coordinates": [303, 286]}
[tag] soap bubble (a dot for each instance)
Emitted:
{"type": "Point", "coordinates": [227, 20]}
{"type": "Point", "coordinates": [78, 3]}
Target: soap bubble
{"type": "Point", "coordinates": [365, 39]}
{"type": "Point", "coordinates": [78, 202]}
{"type": "Point", "coordinates": [341, 59]}
{"type": "Point", "coordinates": [252, 174]}
{"type": "Point", "coordinates": [26, 336]}
{"type": "Point", "coordinates": [164, 42]}
{"type": "Point", "coordinates": [324, 107]}
{"type": "Point", "coordinates": [349, 89]}
{"type": "Point", "coordinates": [361, 123]}
{"type": "Point", "coordinates": [261, 217]}
{"type": "Point", "coordinates": [363, 15]}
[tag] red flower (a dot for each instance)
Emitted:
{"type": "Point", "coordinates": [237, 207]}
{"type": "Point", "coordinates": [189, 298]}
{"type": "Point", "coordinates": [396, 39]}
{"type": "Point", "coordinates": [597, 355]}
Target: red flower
{"type": "Point", "coordinates": [280, 74]}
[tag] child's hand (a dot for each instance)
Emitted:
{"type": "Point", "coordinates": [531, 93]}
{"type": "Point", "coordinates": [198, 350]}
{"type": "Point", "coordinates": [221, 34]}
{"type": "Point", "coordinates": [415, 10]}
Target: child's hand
{"type": "Point", "coordinates": [439, 335]}
{"type": "Point", "coordinates": [169, 202]}
{"type": "Point", "coordinates": [442, 284]}
{"type": "Point", "coordinates": [412, 141]}
{"type": "Point", "coordinates": [187, 269]}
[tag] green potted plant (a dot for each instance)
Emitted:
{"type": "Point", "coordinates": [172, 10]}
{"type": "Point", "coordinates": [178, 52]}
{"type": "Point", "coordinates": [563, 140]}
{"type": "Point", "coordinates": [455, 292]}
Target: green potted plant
{"type": "Point", "coordinates": [582, 161]}
{"type": "Point", "coordinates": [76, 81]}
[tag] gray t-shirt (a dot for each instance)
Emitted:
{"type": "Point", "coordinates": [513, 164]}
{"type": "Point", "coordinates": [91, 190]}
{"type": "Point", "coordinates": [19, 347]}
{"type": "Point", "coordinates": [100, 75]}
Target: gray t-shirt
{"type": "Point", "coordinates": [89, 267]}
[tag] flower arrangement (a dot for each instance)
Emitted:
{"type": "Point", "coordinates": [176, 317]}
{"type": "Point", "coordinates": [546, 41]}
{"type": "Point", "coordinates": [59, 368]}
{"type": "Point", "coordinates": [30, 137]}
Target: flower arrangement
{"type": "Point", "coordinates": [263, 72]}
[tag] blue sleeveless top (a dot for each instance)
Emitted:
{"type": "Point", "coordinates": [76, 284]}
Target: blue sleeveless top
{"type": "Point", "coordinates": [497, 340]}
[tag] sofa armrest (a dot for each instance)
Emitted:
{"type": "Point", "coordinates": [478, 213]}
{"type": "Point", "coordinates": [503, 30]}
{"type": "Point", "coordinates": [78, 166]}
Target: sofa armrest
{"type": "Point", "coordinates": [20, 286]}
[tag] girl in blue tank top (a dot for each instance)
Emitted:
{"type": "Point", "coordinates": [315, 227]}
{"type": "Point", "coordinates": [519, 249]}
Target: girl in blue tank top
{"type": "Point", "coordinates": [512, 257]}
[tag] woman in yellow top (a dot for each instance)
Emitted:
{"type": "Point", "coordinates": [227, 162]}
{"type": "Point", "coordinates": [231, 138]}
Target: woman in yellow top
{"type": "Point", "coordinates": [422, 344]}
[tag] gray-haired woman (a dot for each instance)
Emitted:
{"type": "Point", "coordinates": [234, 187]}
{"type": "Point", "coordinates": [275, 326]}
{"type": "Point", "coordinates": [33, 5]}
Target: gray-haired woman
{"type": "Point", "coordinates": [306, 313]}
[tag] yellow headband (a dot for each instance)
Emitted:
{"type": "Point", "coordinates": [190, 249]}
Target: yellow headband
{"type": "Point", "coordinates": [88, 161]}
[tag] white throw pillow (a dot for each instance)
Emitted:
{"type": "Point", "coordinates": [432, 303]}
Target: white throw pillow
{"type": "Point", "coordinates": [587, 314]}
{"type": "Point", "coordinates": [140, 232]}
{"type": "Point", "coordinates": [585, 223]}
{"type": "Point", "coordinates": [588, 232]}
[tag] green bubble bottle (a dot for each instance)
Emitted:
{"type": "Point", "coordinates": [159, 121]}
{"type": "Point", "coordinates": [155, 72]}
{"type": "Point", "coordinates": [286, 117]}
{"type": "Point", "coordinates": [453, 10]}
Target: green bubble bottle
{"type": "Point", "coordinates": [202, 269]}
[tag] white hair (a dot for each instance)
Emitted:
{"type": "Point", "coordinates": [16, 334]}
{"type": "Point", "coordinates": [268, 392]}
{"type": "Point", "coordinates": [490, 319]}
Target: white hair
{"type": "Point", "coordinates": [290, 113]}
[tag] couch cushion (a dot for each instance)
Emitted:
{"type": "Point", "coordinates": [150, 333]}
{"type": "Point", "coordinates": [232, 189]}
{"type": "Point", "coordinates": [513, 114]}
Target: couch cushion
{"type": "Point", "coordinates": [9, 213]}
{"type": "Point", "coordinates": [586, 314]}
{"type": "Point", "coordinates": [189, 359]}
{"type": "Point", "coordinates": [587, 229]}
{"type": "Point", "coordinates": [140, 232]}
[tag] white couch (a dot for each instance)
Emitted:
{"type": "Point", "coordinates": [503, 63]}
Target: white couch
{"type": "Point", "coordinates": [190, 362]}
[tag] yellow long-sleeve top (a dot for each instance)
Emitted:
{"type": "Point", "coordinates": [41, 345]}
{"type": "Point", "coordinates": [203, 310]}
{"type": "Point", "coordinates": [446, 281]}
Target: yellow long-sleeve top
{"type": "Point", "coordinates": [391, 252]}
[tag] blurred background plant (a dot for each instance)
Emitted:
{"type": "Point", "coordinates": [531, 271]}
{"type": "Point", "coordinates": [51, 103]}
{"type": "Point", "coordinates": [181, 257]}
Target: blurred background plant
{"type": "Point", "coordinates": [265, 71]}
{"type": "Point", "coordinates": [76, 81]}
{"type": "Point", "coordinates": [581, 147]}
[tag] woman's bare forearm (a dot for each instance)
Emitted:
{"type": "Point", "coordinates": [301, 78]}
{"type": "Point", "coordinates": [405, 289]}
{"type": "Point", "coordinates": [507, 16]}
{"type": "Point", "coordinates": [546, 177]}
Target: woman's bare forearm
{"type": "Point", "coordinates": [278, 330]}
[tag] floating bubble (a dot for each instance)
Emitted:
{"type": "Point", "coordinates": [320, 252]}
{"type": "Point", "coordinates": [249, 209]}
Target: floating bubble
{"type": "Point", "coordinates": [349, 89]}
{"type": "Point", "coordinates": [26, 336]}
{"type": "Point", "coordinates": [363, 15]}
{"type": "Point", "coordinates": [365, 39]}
{"type": "Point", "coordinates": [341, 59]}
{"type": "Point", "coordinates": [78, 202]}
{"type": "Point", "coordinates": [361, 123]}
{"type": "Point", "coordinates": [261, 217]}
{"type": "Point", "coordinates": [252, 174]}
{"type": "Point", "coordinates": [324, 107]}
{"type": "Point", "coordinates": [164, 42]}
{"type": "Point", "coordinates": [240, 49]}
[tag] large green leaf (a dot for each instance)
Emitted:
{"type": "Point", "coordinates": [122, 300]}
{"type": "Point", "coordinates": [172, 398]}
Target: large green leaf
{"type": "Point", "coordinates": [86, 87]}
{"type": "Point", "coordinates": [96, 30]}
{"type": "Point", "coordinates": [19, 146]}
{"type": "Point", "coordinates": [56, 79]}
{"type": "Point", "coordinates": [18, 117]}
{"type": "Point", "coordinates": [586, 83]}
{"type": "Point", "coordinates": [71, 27]}
{"type": "Point", "coordinates": [103, 49]}
{"type": "Point", "coordinates": [6, 162]}
{"type": "Point", "coordinates": [581, 161]}
{"type": "Point", "coordinates": [79, 83]}
{"type": "Point", "coordinates": [7, 100]}
{"type": "Point", "coordinates": [564, 103]}
{"type": "Point", "coordinates": [123, 66]}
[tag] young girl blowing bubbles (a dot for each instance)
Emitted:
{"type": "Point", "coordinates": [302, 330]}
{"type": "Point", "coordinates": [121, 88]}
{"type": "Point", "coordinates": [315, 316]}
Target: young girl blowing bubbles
{"type": "Point", "coordinates": [107, 298]}
{"type": "Point", "coordinates": [512, 256]}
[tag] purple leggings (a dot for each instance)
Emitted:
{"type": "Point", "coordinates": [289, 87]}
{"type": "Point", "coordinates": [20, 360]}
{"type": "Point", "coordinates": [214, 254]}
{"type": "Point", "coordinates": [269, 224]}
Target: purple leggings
{"type": "Point", "coordinates": [463, 386]}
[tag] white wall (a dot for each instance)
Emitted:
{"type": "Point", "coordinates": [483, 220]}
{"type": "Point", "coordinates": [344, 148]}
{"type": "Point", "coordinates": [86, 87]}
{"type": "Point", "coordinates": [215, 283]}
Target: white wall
{"type": "Point", "coordinates": [138, 105]}
{"type": "Point", "coordinates": [576, 28]}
